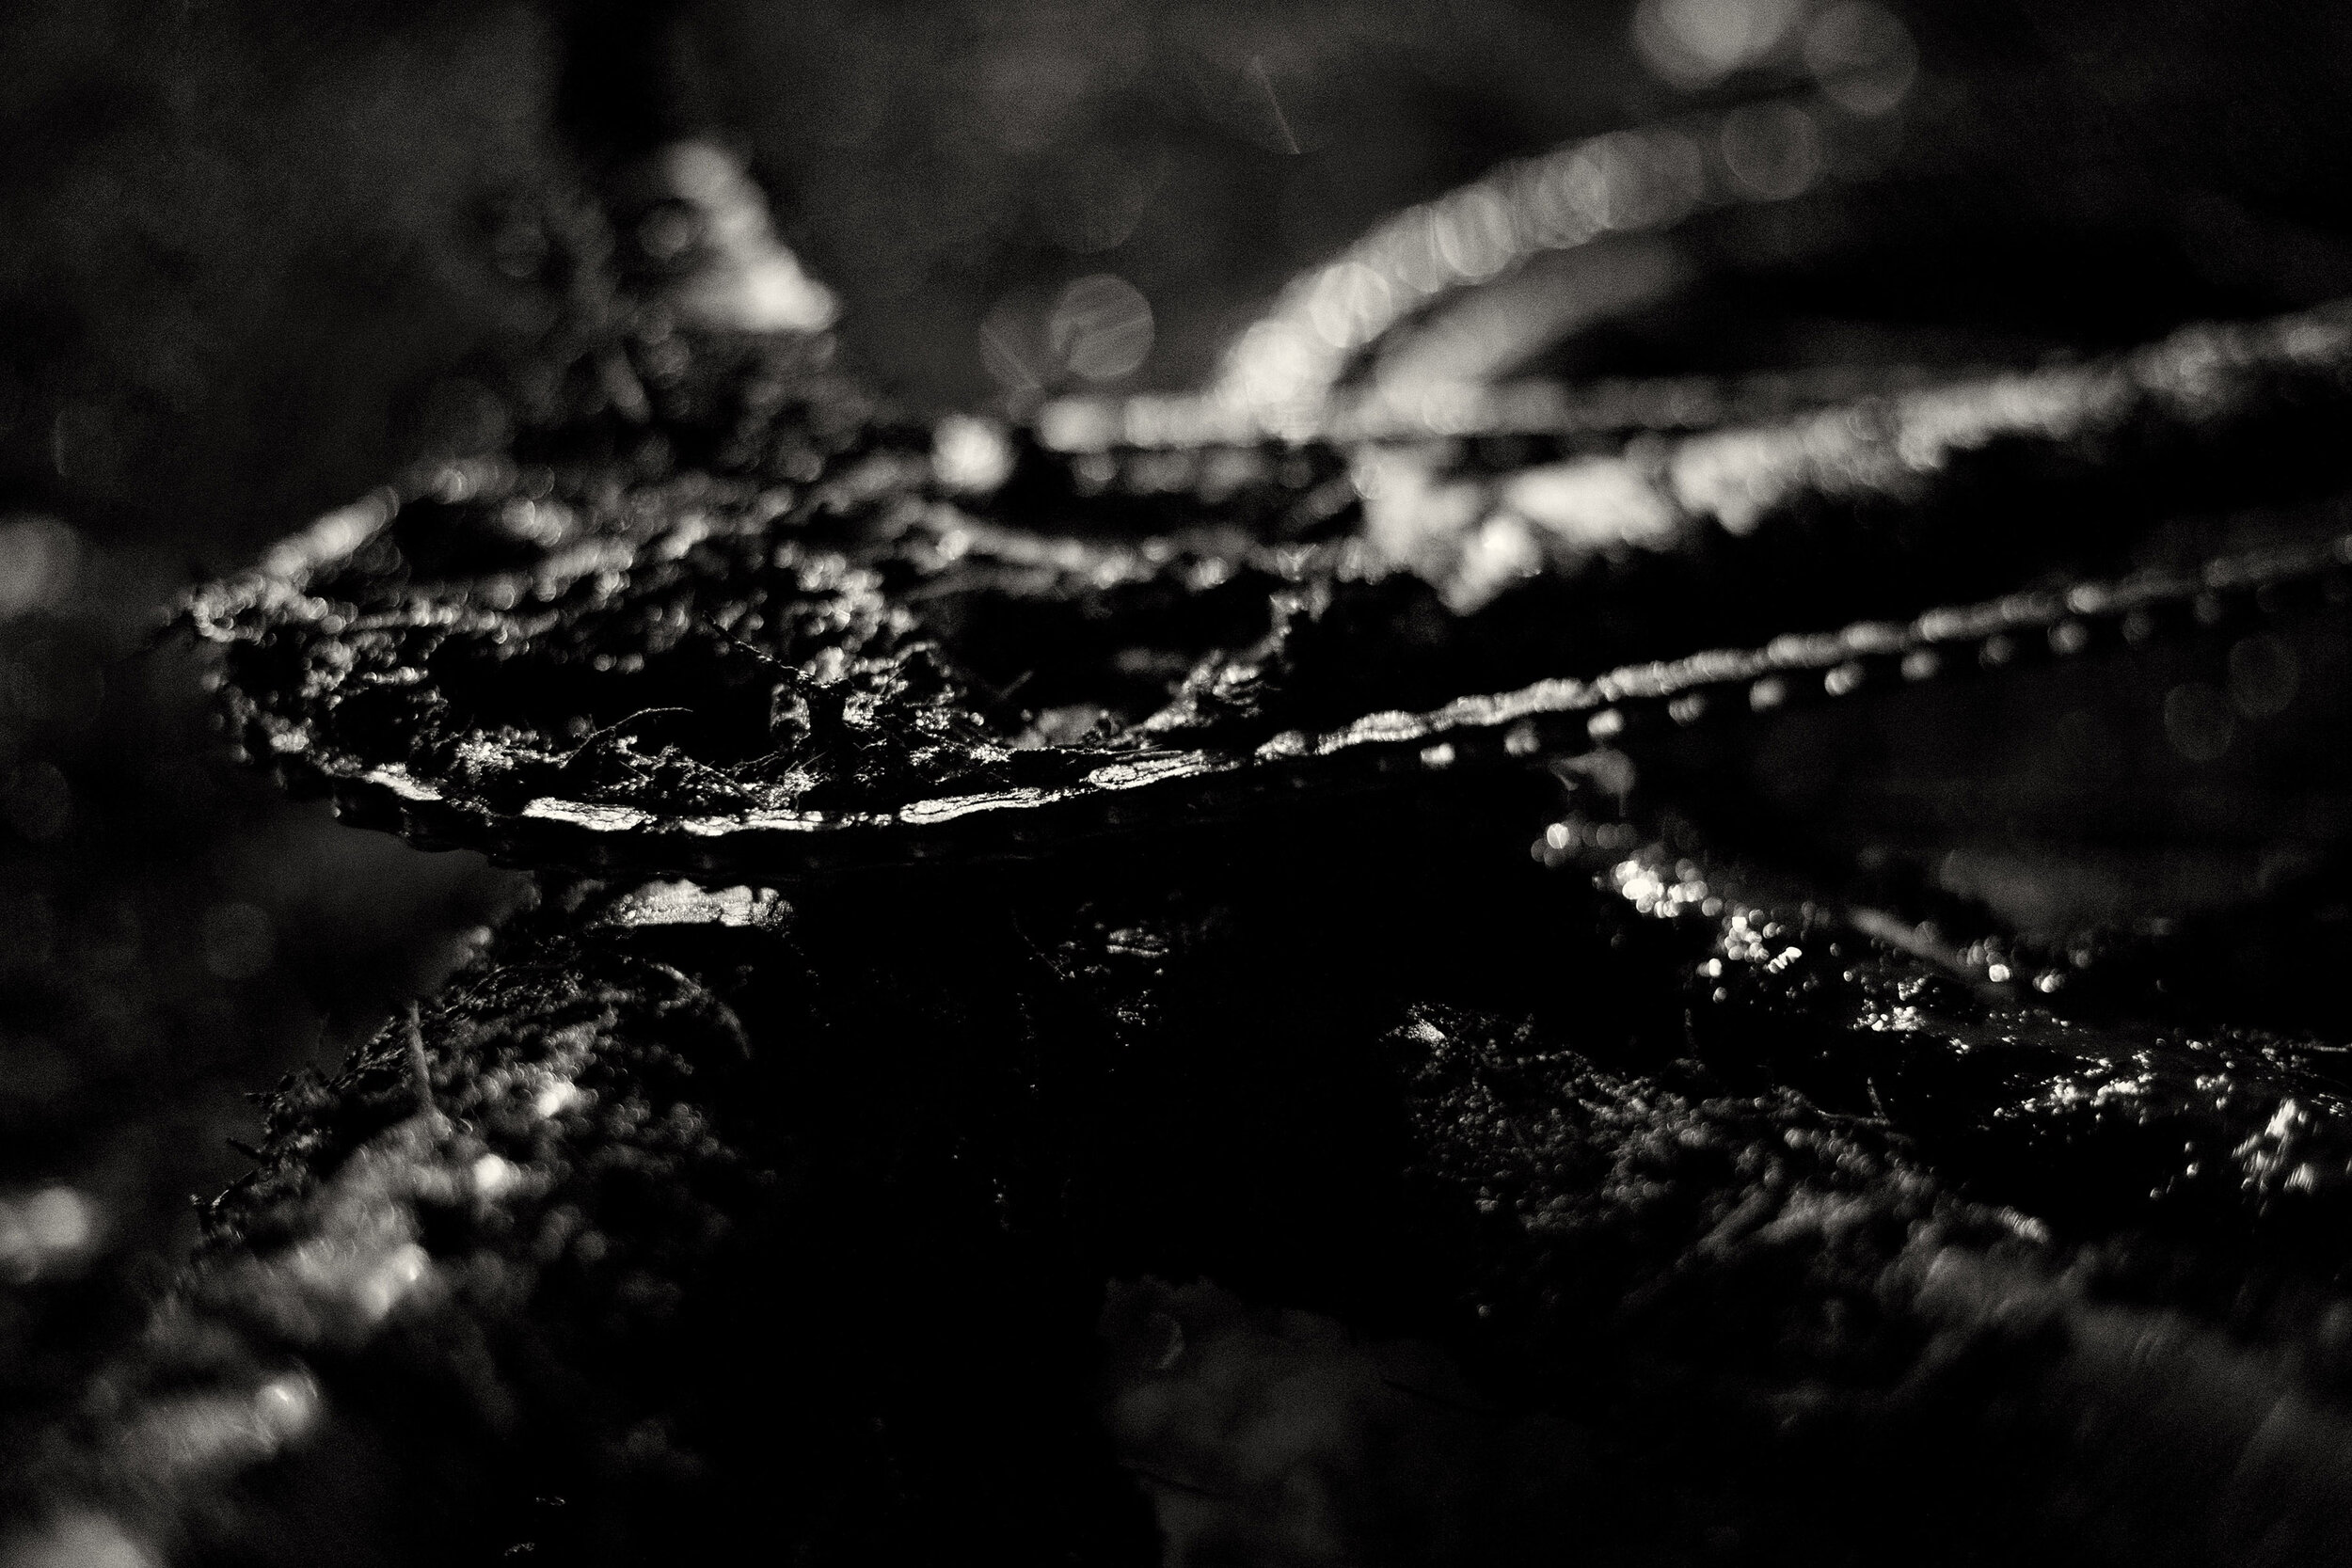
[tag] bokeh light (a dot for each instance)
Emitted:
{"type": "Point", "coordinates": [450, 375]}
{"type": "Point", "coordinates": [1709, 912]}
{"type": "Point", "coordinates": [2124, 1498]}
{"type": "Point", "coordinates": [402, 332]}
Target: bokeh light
{"type": "Point", "coordinates": [38, 561]}
{"type": "Point", "coordinates": [1692, 42]}
{"type": "Point", "coordinates": [1863, 56]}
{"type": "Point", "coordinates": [1100, 328]}
{"type": "Point", "coordinates": [1774, 149]}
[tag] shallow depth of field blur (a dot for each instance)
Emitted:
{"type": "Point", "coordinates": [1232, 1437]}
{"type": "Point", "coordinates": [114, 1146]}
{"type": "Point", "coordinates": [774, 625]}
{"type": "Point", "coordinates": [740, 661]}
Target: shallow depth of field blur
{"type": "Point", "coordinates": [252, 252]}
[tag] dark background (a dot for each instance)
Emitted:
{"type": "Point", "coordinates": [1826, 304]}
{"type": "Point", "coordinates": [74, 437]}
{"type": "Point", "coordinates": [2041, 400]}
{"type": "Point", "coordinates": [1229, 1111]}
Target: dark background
{"type": "Point", "coordinates": [242, 245]}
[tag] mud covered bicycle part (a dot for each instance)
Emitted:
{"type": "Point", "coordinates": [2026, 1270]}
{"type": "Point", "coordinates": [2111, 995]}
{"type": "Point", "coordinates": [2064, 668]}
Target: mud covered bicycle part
{"type": "Point", "coordinates": [713, 673]}
{"type": "Point", "coordinates": [1716, 1196]}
